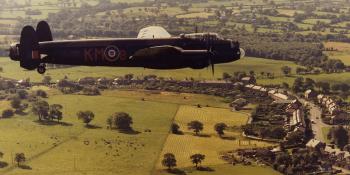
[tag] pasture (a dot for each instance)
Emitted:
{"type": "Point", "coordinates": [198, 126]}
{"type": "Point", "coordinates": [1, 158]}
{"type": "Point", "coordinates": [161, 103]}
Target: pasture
{"type": "Point", "coordinates": [208, 143]}
{"type": "Point", "coordinates": [71, 148]}
{"type": "Point", "coordinates": [342, 51]}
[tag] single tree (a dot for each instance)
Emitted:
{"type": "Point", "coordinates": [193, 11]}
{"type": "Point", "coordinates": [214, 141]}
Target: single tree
{"type": "Point", "coordinates": [169, 161]}
{"type": "Point", "coordinates": [55, 112]}
{"type": "Point", "coordinates": [20, 158]}
{"type": "Point", "coordinates": [16, 104]}
{"type": "Point", "coordinates": [86, 116]}
{"type": "Point", "coordinates": [197, 159]}
{"type": "Point", "coordinates": [196, 126]}
{"type": "Point", "coordinates": [175, 128]}
{"type": "Point", "coordinates": [219, 128]}
{"type": "Point", "coordinates": [298, 85]}
{"type": "Point", "coordinates": [22, 94]}
{"type": "Point", "coordinates": [285, 85]}
{"type": "Point", "coordinates": [7, 113]}
{"type": "Point", "coordinates": [286, 70]}
{"type": "Point", "coordinates": [41, 93]}
{"type": "Point", "coordinates": [122, 121]}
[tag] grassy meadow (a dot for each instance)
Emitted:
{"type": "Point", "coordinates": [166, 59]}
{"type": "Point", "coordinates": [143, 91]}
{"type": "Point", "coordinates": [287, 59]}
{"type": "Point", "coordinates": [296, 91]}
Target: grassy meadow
{"type": "Point", "coordinates": [71, 148]}
{"type": "Point", "coordinates": [209, 143]}
{"type": "Point", "coordinates": [74, 149]}
{"type": "Point", "coordinates": [342, 51]}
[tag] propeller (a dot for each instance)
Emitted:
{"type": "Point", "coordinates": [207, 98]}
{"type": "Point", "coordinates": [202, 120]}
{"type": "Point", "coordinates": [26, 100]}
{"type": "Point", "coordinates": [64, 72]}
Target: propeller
{"type": "Point", "coordinates": [210, 52]}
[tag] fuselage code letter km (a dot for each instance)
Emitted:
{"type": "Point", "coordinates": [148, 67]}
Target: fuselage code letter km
{"type": "Point", "coordinates": [108, 54]}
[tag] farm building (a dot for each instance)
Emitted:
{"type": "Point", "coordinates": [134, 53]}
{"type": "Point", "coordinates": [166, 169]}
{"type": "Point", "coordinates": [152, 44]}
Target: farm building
{"type": "Point", "coordinates": [315, 145]}
{"type": "Point", "coordinates": [320, 98]}
{"type": "Point", "coordinates": [248, 80]}
{"type": "Point", "coordinates": [294, 105]}
{"type": "Point", "coordinates": [240, 102]}
{"type": "Point", "coordinates": [279, 96]}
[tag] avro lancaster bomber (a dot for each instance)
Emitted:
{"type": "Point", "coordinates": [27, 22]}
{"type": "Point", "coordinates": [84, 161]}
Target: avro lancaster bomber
{"type": "Point", "coordinates": [153, 48]}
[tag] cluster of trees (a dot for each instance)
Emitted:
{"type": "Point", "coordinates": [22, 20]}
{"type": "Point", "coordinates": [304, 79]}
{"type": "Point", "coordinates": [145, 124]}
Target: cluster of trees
{"type": "Point", "coordinates": [296, 163]}
{"type": "Point", "coordinates": [339, 136]}
{"type": "Point", "coordinates": [68, 87]}
{"type": "Point", "coordinates": [169, 160]}
{"type": "Point", "coordinates": [266, 122]}
{"type": "Point", "coordinates": [265, 132]}
{"type": "Point", "coordinates": [46, 112]}
{"type": "Point", "coordinates": [197, 126]}
{"type": "Point", "coordinates": [300, 85]}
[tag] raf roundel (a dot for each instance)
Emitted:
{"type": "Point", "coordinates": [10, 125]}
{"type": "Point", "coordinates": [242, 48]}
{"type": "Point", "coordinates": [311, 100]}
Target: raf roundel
{"type": "Point", "coordinates": [112, 53]}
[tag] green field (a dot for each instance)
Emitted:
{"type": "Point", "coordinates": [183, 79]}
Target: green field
{"type": "Point", "coordinates": [183, 146]}
{"type": "Point", "coordinates": [342, 53]}
{"type": "Point", "coordinates": [62, 149]}
{"type": "Point", "coordinates": [74, 149]}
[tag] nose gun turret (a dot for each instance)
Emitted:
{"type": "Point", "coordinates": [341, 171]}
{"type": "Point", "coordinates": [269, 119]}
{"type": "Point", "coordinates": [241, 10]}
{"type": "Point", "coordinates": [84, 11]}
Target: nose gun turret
{"type": "Point", "coordinates": [14, 52]}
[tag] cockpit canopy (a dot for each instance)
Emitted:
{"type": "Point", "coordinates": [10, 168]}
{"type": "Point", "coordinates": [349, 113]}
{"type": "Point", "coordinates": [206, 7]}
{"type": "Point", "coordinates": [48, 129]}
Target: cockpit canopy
{"type": "Point", "coordinates": [202, 36]}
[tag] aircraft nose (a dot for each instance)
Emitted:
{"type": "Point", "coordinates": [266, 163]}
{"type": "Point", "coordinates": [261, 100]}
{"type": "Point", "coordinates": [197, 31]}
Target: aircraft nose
{"type": "Point", "coordinates": [14, 53]}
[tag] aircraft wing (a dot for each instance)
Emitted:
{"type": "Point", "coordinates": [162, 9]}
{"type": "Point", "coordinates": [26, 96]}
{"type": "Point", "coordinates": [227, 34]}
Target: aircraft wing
{"type": "Point", "coordinates": [153, 32]}
{"type": "Point", "coordinates": [157, 51]}
{"type": "Point", "coordinates": [165, 51]}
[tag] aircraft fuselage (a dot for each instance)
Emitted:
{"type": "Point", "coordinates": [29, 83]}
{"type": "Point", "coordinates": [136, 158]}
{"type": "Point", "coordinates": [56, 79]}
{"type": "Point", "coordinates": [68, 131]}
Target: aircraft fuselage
{"type": "Point", "coordinates": [120, 53]}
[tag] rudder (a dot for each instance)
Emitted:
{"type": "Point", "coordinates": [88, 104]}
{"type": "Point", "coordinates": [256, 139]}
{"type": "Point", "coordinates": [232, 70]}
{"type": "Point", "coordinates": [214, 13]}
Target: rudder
{"type": "Point", "coordinates": [29, 49]}
{"type": "Point", "coordinates": [43, 31]}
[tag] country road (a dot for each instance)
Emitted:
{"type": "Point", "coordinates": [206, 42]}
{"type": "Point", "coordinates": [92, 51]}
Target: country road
{"type": "Point", "coordinates": [315, 115]}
